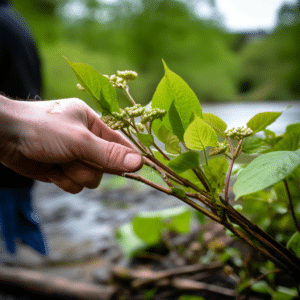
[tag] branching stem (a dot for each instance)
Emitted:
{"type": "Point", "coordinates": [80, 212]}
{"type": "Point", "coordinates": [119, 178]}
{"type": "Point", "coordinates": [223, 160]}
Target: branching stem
{"type": "Point", "coordinates": [291, 206]}
{"type": "Point", "coordinates": [126, 91]}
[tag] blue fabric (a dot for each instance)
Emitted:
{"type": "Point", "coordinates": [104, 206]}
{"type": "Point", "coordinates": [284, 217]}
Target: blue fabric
{"type": "Point", "coordinates": [18, 219]}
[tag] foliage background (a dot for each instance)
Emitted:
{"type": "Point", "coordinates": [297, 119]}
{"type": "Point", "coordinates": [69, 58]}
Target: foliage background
{"type": "Point", "coordinates": [137, 34]}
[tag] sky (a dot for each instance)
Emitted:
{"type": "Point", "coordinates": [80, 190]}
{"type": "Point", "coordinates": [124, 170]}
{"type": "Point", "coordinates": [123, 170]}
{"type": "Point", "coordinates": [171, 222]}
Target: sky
{"type": "Point", "coordinates": [239, 15]}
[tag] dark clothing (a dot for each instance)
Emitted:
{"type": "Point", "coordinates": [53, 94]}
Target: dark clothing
{"type": "Point", "coordinates": [20, 73]}
{"type": "Point", "coordinates": [19, 220]}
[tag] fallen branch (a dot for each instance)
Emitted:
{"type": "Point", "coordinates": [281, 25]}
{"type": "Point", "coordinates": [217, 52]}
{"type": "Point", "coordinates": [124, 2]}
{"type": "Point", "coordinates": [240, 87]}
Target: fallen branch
{"type": "Point", "coordinates": [140, 278]}
{"type": "Point", "coordinates": [60, 288]}
{"type": "Point", "coordinates": [187, 284]}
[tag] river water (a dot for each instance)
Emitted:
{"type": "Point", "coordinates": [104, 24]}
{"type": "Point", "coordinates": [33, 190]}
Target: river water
{"type": "Point", "coordinates": [82, 225]}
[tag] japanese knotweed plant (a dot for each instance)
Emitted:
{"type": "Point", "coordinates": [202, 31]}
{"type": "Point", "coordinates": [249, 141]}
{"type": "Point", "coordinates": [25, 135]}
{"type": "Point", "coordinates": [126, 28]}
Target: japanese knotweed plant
{"type": "Point", "coordinates": [199, 154]}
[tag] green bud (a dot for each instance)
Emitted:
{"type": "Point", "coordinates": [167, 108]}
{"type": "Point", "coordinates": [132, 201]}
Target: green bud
{"type": "Point", "coordinates": [121, 115]}
{"type": "Point", "coordinates": [135, 111]}
{"type": "Point", "coordinates": [113, 122]}
{"type": "Point", "coordinates": [127, 75]}
{"type": "Point", "coordinates": [140, 127]}
{"type": "Point", "coordinates": [219, 149]}
{"type": "Point", "coordinates": [154, 113]}
{"type": "Point", "coordinates": [80, 87]}
{"type": "Point", "coordinates": [238, 132]}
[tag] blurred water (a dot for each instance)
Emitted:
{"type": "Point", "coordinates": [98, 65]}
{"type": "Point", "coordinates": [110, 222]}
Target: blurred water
{"type": "Point", "coordinates": [238, 114]}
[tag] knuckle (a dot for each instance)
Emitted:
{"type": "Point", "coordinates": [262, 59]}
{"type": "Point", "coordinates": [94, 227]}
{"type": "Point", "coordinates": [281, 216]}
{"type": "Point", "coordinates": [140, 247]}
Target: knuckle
{"type": "Point", "coordinates": [113, 155]}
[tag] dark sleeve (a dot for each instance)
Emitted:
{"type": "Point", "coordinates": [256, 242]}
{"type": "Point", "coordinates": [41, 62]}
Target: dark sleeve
{"type": "Point", "coordinates": [20, 67]}
{"type": "Point", "coordinates": [20, 74]}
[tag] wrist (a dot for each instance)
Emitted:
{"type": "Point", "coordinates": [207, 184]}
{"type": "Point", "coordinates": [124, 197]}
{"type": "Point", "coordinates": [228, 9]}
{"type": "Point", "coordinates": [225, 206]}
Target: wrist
{"type": "Point", "coordinates": [9, 123]}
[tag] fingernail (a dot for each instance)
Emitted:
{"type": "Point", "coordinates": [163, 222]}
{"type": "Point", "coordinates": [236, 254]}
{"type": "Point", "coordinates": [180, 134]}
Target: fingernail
{"type": "Point", "coordinates": [132, 162]}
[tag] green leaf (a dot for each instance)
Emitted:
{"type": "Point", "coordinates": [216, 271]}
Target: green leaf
{"type": "Point", "coordinates": [185, 161]}
{"type": "Point", "coordinates": [290, 140]}
{"type": "Point", "coordinates": [149, 225]}
{"type": "Point", "coordinates": [261, 287]}
{"type": "Point", "coordinates": [266, 170]}
{"type": "Point", "coordinates": [264, 196]}
{"type": "Point", "coordinates": [270, 137]}
{"type": "Point", "coordinates": [148, 229]}
{"type": "Point", "coordinates": [296, 174]}
{"type": "Point", "coordinates": [200, 135]}
{"type": "Point", "coordinates": [190, 175]}
{"type": "Point", "coordinates": [216, 123]}
{"type": "Point", "coordinates": [97, 86]}
{"type": "Point", "coordinates": [128, 240]}
{"type": "Point", "coordinates": [254, 145]}
{"type": "Point", "coordinates": [216, 171]}
{"type": "Point", "coordinates": [178, 191]}
{"type": "Point", "coordinates": [146, 139]}
{"type": "Point", "coordinates": [260, 121]}
{"type": "Point", "coordinates": [293, 127]}
{"type": "Point", "coordinates": [200, 217]}
{"type": "Point", "coordinates": [284, 293]}
{"type": "Point", "coordinates": [170, 140]}
{"type": "Point", "coordinates": [294, 243]}
{"type": "Point", "coordinates": [176, 97]}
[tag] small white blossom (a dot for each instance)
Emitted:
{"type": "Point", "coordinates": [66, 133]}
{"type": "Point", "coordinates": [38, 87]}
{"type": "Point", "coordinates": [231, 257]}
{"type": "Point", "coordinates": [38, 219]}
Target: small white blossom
{"type": "Point", "coordinates": [127, 75]}
{"type": "Point", "coordinates": [219, 149]}
{"type": "Point", "coordinates": [238, 132]}
{"type": "Point", "coordinates": [150, 115]}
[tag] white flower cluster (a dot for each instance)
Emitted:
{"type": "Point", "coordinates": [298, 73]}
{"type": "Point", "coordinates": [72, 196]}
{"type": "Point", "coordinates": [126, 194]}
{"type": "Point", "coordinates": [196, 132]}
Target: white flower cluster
{"type": "Point", "coordinates": [135, 111]}
{"type": "Point", "coordinates": [127, 75]}
{"type": "Point", "coordinates": [219, 149]}
{"type": "Point", "coordinates": [121, 79]}
{"type": "Point", "coordinates": [122, 119]}
{"type": "Point", "coordinates": [114, 123]}
{"type": "Point", "coordinates": [238, 132]}
{"type": "Point", "coordinates": [150, 115]}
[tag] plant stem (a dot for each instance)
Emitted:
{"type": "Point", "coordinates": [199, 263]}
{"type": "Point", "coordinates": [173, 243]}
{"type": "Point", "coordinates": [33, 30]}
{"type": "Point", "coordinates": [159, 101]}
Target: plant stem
{"type": "Point", "coordinates": [274, 248]}
{"type": "Point", "coordinates": [227, 180]}
{"type": "Point", "coordinates": [234, 153]}
{"type": "Point", "coordinates": [263, 250]}
{"type": "Point", "coordinates": [169, 192]}
{"type": "Point", "coordinates": [126, 91]}
{"type": "Point", "coordinates": [291, 206]}
{"type": "Point", "coordinates": [148, 182]}
{"type": "Point", "coordinates": [128, 134]}
{"type": "Point", "coordinates": [185, 181]}
{"type": "Point", "coordinates": [161, 152]}
{"type": "Point", "coordinates": [246, 289]}
{"type": "Point", "coordinates": [202, 178]}
{"type": "Point", "coordinates": [205, 157]}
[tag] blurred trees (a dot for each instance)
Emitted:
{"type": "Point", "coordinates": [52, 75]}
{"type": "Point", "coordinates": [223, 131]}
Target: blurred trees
{"type": "Point", "coordinates": [137, 34]}
{"type": "Point", "coordinates": [270, 66]}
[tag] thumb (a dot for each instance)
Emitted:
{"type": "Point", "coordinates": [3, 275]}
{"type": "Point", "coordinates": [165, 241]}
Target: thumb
{"type": "Point", "coordinates": [111, 157]}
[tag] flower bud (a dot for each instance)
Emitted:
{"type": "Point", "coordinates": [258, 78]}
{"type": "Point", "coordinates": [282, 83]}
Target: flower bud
{"type": "Point", "coordinates": [219, 149]}
{"type": "Point", "coordinates": [80, 87]}
{"type": "Point", "coordinates": [121, 115]}
{"type": "Point", "coordinates": [238, 132]}
{"type": "Point", "coordinates": [127, 75]}
{"type": "Point", "coordinates": [135, 111]}
{"type": "Point", "coordinates": [154, 113]}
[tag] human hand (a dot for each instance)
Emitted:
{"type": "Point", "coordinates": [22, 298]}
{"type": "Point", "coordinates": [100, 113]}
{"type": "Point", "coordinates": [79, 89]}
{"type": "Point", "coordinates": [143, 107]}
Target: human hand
{"type": "Point", "coordinates": [64, 142]}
